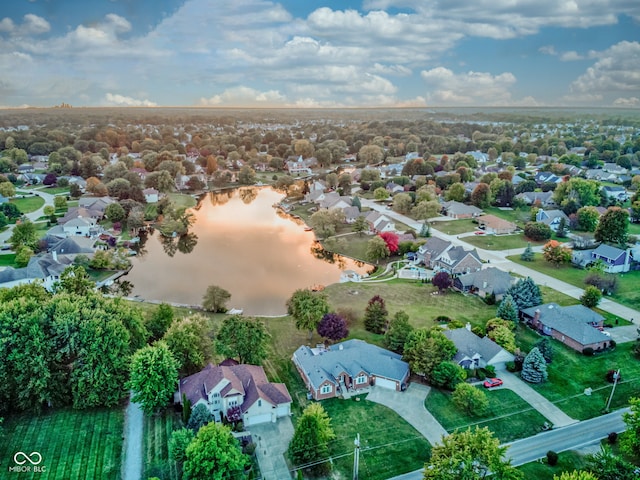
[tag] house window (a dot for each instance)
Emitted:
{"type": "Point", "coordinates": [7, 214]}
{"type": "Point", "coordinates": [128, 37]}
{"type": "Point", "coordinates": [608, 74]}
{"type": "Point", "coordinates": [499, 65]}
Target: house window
{"type": "Point", "coordinates": [360, 379]}
{"type": "Point", "coordinates": [326, 389]}
{"type": "Point", "coordinates": [259, 403]}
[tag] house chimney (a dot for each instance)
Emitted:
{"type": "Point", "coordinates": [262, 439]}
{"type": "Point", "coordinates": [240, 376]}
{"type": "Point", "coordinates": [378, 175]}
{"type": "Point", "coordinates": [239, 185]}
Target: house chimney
{"type": "Point", "coordinates": [340, 347]}
{"type": "Point", "coordinates": [468, 326]}
{"type": "Point", "coordinates": [484, 284]}
{"type": "Point", "coordinates": [54, 254]}
{"type": "Point", "coordinates": [536, 315]}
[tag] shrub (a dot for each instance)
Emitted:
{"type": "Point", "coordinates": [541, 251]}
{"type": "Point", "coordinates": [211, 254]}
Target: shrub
{"type": "Point", "coordinates": [511, 366]}
{"type": "Point", "coordinates": [612, 344]}
{"type": "Point", "coordinates": [250, 448]}
{"type": "Point", "coordinates": [587, 351]}
{"type": "Point", "coordinates": [490, 298]}
{"type": "Point", "coordinates": [490, 370]}
{"type": "Point", "coordinates": [612, 438]}
{"type": "Point", "coordinates": [478, 330]}
{"type": "Point", "coordinates": [552, 458]}
{"type": "Point", "coordinates": [442, 319]}
{"type": "Point", "coordinates": [480, 375]}
{"type": "Point", "coordinates": [537, 231]}
{"type": "Point", "coordinates": [610, 376]}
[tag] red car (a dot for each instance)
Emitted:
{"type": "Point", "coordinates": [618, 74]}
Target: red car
{"type": "Point", "coordinates": [492, 382]}
{"type": "Point", "coordinates": [479, 232]}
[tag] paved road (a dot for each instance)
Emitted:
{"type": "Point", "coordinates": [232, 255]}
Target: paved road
{"type": "Point", "coordinates": [133, 429]}
{"type": "Point", "coordinates": [498, 259]}
{"type": "Point", "coordinates": [559, 440]}
{"type": "Point", "coordinates": [33, 216]}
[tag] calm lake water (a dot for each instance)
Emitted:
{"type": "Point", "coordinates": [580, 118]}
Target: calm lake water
{"type": "Point", "coordinates": [244, 245]}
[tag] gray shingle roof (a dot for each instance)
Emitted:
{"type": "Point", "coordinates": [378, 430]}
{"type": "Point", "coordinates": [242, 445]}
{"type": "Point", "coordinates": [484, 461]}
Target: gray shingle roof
{"type": "Point", "coordinates": [572, 321]}
{"type": "Point", "coordinates": [608, 251]}
{"type": "Point", "coordinates": [494, 279]}
{"type": "Point", "coordinates": [353, 357]}
{"type": "Point", "coordinates": [469, 344]}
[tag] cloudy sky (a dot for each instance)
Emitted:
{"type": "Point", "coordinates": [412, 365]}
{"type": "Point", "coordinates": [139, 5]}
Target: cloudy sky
{"type": "Point", "coordinates": [311, 53]}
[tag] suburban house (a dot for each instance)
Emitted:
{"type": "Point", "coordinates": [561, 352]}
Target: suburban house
{"type": "Point", "coordinates": [544, 199]}
{"type": "Point", "coordinates": [81, 226]}
{"type": "Point", "coordinates": [76, 212]}
{"type": "Point", "coordinates": [616, 193]}
{"type": "Point", "coordinates": [497, 225]}
{"type": "Point", "coordinates": [576, 326]}
{"type": "Point", "coordinates": [485, 282]}
{"type": "Point", "coordinates": [26, 168]}
{"type": "Point", "coordinates": [337, 201]}
{"type": "Point", "coordinates": [151, 195]}
{"type": "Point", "coordinates": [221, 388]}
{"type": "Point", "coordinates": [547, 177]}
{"type": "Point", "coordinates": [95, 203]}
{"type": "Point", "coordinates": [300, 165]}
{"type": "Point", "coordinates": [44, 268]}
{"type": "Point", "coordinates": [439, 254]}
{"type": "Point", "coordinates": [552, 218]}
{"type": "Point", "coordinates": [458, 210]}
{"type": "Point", "coordinates": [474, 351]}
{"type": "Point", "coordinates": [615, 259]}
{"type": "Point", "coordinates": [379, 223]}
{"type": "Point", "coordinates": [349, 366]}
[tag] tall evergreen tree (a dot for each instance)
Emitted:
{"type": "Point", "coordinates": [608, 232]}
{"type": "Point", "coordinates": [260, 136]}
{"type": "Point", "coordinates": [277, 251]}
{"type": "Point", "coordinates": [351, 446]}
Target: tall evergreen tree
{"type": "Point", "coordinates": [527, 255]}
{"type": "Point", "coordinates": [310, 440]}
{"type": "Point", "coordinates": [534, 368]}
{"type": "Point", "coordinates": [508, 310]}
{"type": "Point", "coordinates": [398, 332]}
{"type": "Point", "coordinates": [525, 293]}
{"type": "Point", "coordinates": [376, 315]}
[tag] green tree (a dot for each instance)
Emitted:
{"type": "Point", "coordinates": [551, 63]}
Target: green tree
{"type": "Point", "coordinates": [215, 299]}
{"type": "Point", "coordinates": [160, 180]}
{"type": "Point", "coordinates": [24, 234]}
{"type": "Point", "coordinates": [426, 209]}
{"type": "Point", "coordinates": [525, 293]}
{"type": "Point", "coordinates": [556, 253]}
{"type": "Point", "coordinates": [587, 218]}
{"type": "Point", "coordinates": [503, 335]}
{"type": "Point", "coordinates": [609, 466]}
{"type": "Point", "coordinates": [310, 440]}
{"type": "Point", "coordinates": [546, 349]}
{"type": "Point", "coordinates": [325, 222]}
{"type": "Point", "coordinates": [630, 440]}
{"type": "Point", "coordinates": [508, 310]}
{"type": "Point", "coordinates": [537, 231]}
{"type": "Point", "coordinates": [399, 329]}
{"type": "Point", "coordinates": [425, 230]}
{"type": "Point", "coordinates": [23, 255]}
{"type": "Point", "coordinates": [534, 368]}
{"type": "Point", "coordinates": [448, 375]}
{"type": "Point", "coordinates": [189, 342]}
{"type": "Point", "coordinates": [159, 320]}
{"type": "Point", "coordinates": [60, 202]}
{"type": "Point", "coordinates": [377, 249]}
{"type": "Point", "coordinates": [469, 399]}
{"type": "Point", "coordinates": [561, 231]}
{"type": "Point", "coordinates": [402, 203]}
{"type": "Point", "coordinates": [178, 443]}
{"type": "Point", "coordinates": [200, 416]}
{"type": "Point", "coordinates": [371, 154]}
{"type": "Point", "coordinates": [456, 192]}
{"type": "Point", "coordinates": [154, 376]}
{"type": "Point", "coordinates": [376, 315]}
{"type": "Point", "coordinates": [591, 296]}
{"type": "Point", "coordinates": [74, 279]}
{"type": "Point", "coordinates": [307, 308]}
{"type": "Point", "coordinates": [360, 225]}
{"type": "Point", "coordinates": [613, 226]}
{"type": "Point", "coordinates": [576, 475]}
{"type": "Point", "coordinates": [469, 455]}
{"type": "Point", "coordinates": [115, 213]}
{"type": "Point", "coordinates": [215, 454]}
{"type": "Point", "coordinates": [380, 194]}
{"type": "Point", "coordinates": [481, 195]}
{"type": "Point", "coordinates": [247, 175]}
{"type": "Point", "coordinates": [7, 189]}
{"type": "Point", "coordinates": [427, 348]}
{"type": "Point", "coordinates": [244, 338]}
{"type": "Point", "coordinates": [528, 254]}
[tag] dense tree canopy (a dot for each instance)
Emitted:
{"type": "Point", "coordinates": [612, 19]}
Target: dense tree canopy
{"type": "Point", "coordinates": [426, 348]}
{"type": "Point", "coordinates": [243, 338]}
{"type": "Point", "coordinates": [215, 454]}
{"type": "Point", "coordinates": [307, 308]}
{"type": "Point", "coordinates": [154, 376]}
{"type": "Point", "coordinates": [309, 444]}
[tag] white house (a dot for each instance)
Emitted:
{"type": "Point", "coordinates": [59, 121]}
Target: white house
{"type": "Point", "coordinates": [221, 388]}
{"type": "Point", "coordinates": [151, 195]}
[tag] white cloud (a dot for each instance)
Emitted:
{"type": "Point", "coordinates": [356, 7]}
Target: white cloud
{"type": "Point", "coordinates": [470, 88]}
{"type": "Point", "coordinates": [245, 96]}
{"type": "Point", "coordinates": [121, 100]}
{"type": "Point", "coordinates": [6, 25]}
{"type": "Point", "coordinates": [34, 25]}
{"type": "Point", "coordinates": [627, 102]}
{"type": "Point", "coordinates": [616, 70]}
{"type": "Point", "coordinates": [548, 50]}
{"type": "Point", "coordinates": [571, 56]}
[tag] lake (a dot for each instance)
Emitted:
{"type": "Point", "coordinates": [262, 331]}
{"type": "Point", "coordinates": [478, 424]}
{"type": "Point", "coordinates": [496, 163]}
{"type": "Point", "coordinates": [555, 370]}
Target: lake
{"type": "Point", "coordinates": [244, 245]}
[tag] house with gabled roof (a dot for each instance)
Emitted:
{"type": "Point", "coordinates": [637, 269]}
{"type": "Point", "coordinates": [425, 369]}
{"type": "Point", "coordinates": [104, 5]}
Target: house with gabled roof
{"type": "Point", "coordinates": [45, 268]}
{"type": "Point", "coordinates": [497, 225]}
{"type": "Point", "coordinates": [349, 366]}
{"type": "Point", "coordinates": [615, 193]}
{"type": "Point", "coordinates": [474, 351]}
{"type": "Point", "coordinates": [223, 388]}
{"type": "Point", "coordinates": [544, 199]}
{"type": "Point", "coordinates": [95, 203]}
{"type": "Point", "coordinates": [551, 218]}
{"type": "Point", "coordinates": [379, 223]}
{"type": "Point", "coordinates": [458, 210]}
{"type": "Point", "coordinates": [615, 260]}
{"type": "Point", "coordinates": [485, 282]}
{"type": "Point", "coordinates": [577, 326]}
{"type": "Point", "coordinates": [439, 254]}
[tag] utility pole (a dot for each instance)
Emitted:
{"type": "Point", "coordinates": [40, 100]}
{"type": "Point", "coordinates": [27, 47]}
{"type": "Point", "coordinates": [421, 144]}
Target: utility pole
{"type": "Point", "coordinates": [616, 376]}
{"type": "Point", "coordinates": [356, 457]}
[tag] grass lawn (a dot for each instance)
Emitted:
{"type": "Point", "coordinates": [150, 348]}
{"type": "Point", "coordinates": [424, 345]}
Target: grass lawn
{"type": "Point", "coordinates": [518, 216]}
{"type": "Point", "coordinates": [627, 293]}
{"type": "Point", "coordinates": [28, 204]}
{"type": "Point", "coordinates": [567, 462]}
{"type": "Point", "coordinates": [8, 260]}
{"type": "Point", "coordinates": [634, 229]}
{"type": "Point", "coordinates": [56, 190]}
{"type": "Point", "coordinates": [157, 432]}
{"type": "Point", "coordinates": [378, 427]}
{"type": "Point", "coordinates": [507, 416]}
{"type": "Point", "coordinates": [73, 443]}
{"type": "Point", "coordinates": [182, 200]}
{"type": "Point", "coordinates": [455, 227]}
{"type": "Point", "coordinates": [500, 242]}
{"type": "Point", "coordinates": [571, 372]}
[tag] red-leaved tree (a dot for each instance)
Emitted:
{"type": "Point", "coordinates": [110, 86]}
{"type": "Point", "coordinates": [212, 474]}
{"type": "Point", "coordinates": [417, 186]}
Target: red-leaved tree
{"type": "Point", "coordinates": [391, 239]}
{"type": "Point", "coordinates": [333, 327]}
{"type": "Point", "coordinates": [442, 280]}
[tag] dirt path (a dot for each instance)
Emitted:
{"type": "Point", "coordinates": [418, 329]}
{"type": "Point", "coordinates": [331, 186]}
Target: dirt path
{"type": "Point", "coordinates": [133, 429]}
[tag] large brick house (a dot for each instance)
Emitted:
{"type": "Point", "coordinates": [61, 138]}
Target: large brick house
{"type": "Point", "coordinates": [576, 326]}
{"type": "Point", "coordinates": [439, 254]}
{"type": "Point", "coordinates": [349, 366]}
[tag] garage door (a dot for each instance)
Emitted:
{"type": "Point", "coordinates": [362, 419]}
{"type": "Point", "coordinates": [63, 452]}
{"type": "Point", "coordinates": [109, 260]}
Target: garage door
{"type": "Point", "coordinates": [283, 411]}
{"type": "Point", "coordinates": [256, 419]}
{"type": "Point", "coordinates": [385, 383]}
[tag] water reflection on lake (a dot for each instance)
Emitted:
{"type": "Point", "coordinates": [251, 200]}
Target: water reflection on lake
{"type": "Point", "coordinates": [241, 243]}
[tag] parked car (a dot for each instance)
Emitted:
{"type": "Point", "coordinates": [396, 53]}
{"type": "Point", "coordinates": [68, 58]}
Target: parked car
{"type": "Point", "coordinates": [479, 232]}
{"type": "Point", "coordinates": [492, 382]}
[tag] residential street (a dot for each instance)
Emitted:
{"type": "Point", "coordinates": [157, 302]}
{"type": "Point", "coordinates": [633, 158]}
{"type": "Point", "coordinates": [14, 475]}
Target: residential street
{"type": "Point", "coordinates": [33, 216]}
{"type": "Point", "coordinates": [559, 440]}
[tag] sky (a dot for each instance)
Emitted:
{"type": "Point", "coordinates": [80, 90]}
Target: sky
{"type": "Point", "coordinates": [308, 53]}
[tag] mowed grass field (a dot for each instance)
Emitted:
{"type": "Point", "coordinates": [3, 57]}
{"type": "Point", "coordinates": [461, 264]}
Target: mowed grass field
{"type": "Point", "coordinates": [74, 444]}
{"type": "Point", "coordinates": [28, 204]}
{"type": "Point", "coordinates": [157, 433]}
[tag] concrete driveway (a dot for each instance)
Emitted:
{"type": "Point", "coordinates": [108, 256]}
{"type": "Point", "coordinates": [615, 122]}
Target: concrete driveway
{"type": "Point", "coordinates": [272, 441]}
{"type": "Point", "coordinates": [410, 406]}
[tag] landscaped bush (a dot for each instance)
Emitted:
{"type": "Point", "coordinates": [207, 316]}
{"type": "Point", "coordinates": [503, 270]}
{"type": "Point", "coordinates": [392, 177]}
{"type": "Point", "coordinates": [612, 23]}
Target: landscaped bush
{"type": "Point", "coordinates": [588, 351]}
{"type": "Point", "coordinates": [612, 344]}
{"type": "Point", "coordinates": [511, 366]}
{"type": "Point", "coordinates": [490, 371]}
{"type": "Point", "coordinates": [490, 298]}
{"type": "Point", "coordinates": [480, 375]}
{"type": "Point", "coordinates": [612, 438]}
{"type": "Point", "coordinates": [552, 458]}
{"type": "Point", "coordinates": [478, 330]}
{"type": "Point", "coordinates": [610, 376]}
{"type": "Point", "coordinates": [442, 319]}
